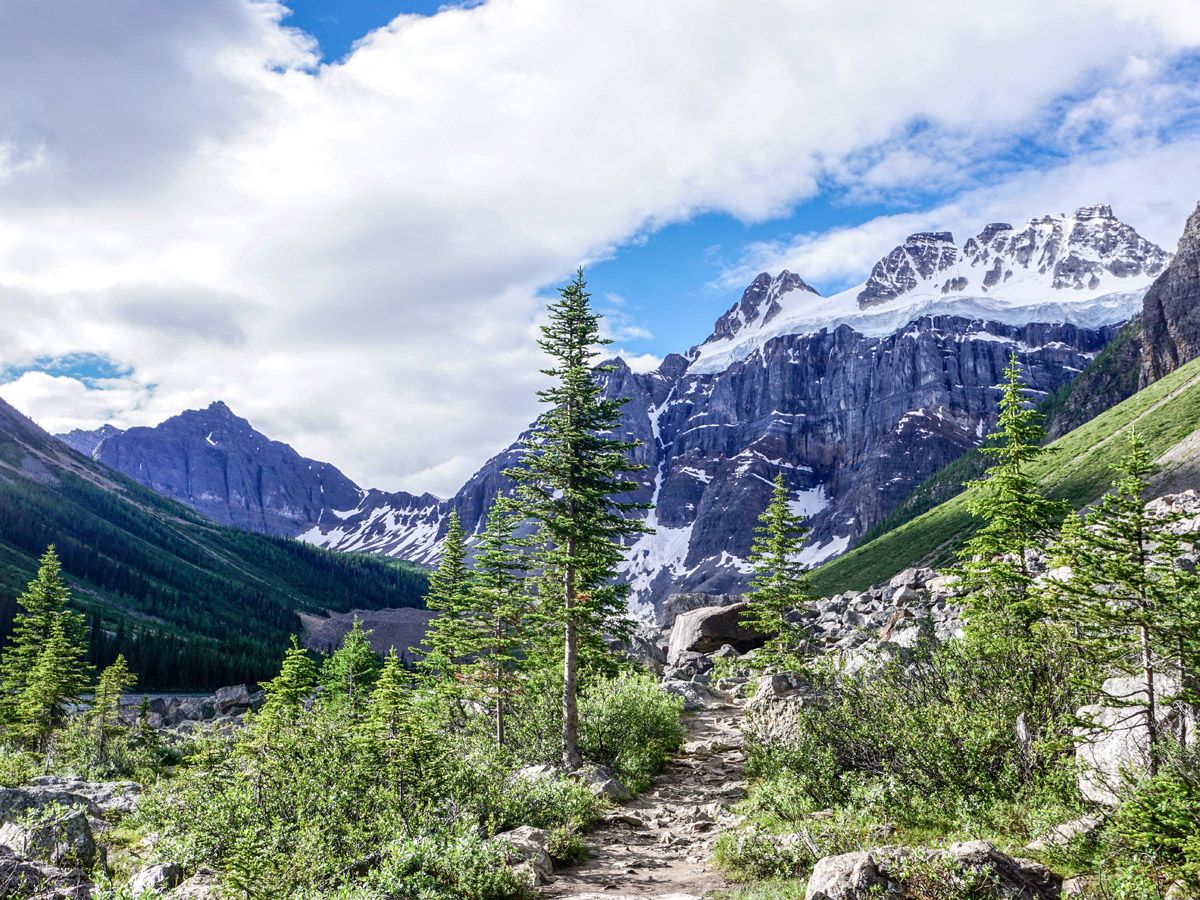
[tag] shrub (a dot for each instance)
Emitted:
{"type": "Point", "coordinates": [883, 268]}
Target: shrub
{"type": "Point", "coordinates": [1160, 820]}
{"type": "Point", "coordinates": [630, 723]}
{"type": "Point", "coordinates": [459, 865]}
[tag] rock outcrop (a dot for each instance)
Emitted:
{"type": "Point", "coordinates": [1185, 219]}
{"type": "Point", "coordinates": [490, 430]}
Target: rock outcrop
{"type": "Point", "coordinates": [1171, 309]}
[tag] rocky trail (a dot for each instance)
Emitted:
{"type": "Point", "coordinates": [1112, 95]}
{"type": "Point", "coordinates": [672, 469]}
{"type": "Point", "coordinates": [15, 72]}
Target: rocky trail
{"type": "Point", "coordinates": [659, 844]}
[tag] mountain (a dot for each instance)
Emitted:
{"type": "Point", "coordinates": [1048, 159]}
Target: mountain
{"type": "Point", "coordinates": [191, 604]}
{"type": "Point", "coordinates": [216, 463]}
{"type": "Point", "coordinates": [1166, 417]}
{"type": "Point", "coordinates": [1171, 310]}
{"type": "Point", "coordinates": [856, 399]}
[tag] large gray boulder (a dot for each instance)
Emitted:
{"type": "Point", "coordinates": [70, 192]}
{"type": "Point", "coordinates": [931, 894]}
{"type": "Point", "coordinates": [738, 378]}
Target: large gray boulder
{"type": "Point", "coordinates": [55, 835]}
{"type": "Point", "coordinates": [771, 715]}
{"type": "Point", "coordinates": [155, 879]}
{"type": "Point", "coordinates": [888, 871]}
{"type": "Point", "coordinates": [526, 848]}
{"type": "Point", "coordinates": [20, 877]}
{"type": "Point", "coordinates": [99, 798]}
{"type": "Point", "coordinates": [1115, 744]}
{"type": "Point", "coordinates": [710, 628]}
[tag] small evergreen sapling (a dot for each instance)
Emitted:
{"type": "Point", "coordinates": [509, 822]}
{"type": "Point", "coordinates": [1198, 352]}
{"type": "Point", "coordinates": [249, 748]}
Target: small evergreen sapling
{"type": "Point", "coordinates": [780, 584]}
{"type": "Point", "coordinates": [349, 673]}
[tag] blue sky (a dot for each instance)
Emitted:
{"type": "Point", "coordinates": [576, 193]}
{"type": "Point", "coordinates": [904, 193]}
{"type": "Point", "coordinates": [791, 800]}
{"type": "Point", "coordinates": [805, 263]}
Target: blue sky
{"type": "Point", "coordinates": [352, 247]}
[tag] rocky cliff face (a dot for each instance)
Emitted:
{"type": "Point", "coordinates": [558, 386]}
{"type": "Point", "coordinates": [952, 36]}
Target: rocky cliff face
{"type": "Point", "coordinates": [216, 463]}
{"type": "Point", "coordinates": [1171, 309]}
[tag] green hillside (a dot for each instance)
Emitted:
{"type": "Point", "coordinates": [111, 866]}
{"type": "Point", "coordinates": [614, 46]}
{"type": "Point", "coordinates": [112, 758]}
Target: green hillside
{"type": "Point", "coordinates": [1079, 470]}
{"type": "Point", "coordinates": [190, 603]}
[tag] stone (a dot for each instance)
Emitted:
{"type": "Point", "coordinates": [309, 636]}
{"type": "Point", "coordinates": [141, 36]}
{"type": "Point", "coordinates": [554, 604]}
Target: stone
{"type": "Point", "coordinates": [527, 847]}
{"type": "Point", "coordinates": [204, 885]}
{"type": "Point", "coordinates": [695, 696]}
{"type": "Point", "coordinates": [855, 876]}
{"type": "Point", "coordinates": [99, 798]}
{"type": "Point", "coordinates": [708, 628]}
{"type": "Point", "coordinates": [541, 772]}
{"type": "Point", "coordinates": [848, 876]}
{"type": "Point", "coordinates": [602, 782]}
{"type": "Point", "coordinates": [59, 836]}
{"type": "Point", "coordinates": [156, 879]}
{"type": "Point", "coordinates": [1065, 832]}
{"type": "Point", "coordinates": [1079, 886]}
{"type": "Point", "coordinates": [43, 882]}
{"type": "Point", "coordinates": [1116, 741]}
{"type": "Point", "coordinates": [234, 699]}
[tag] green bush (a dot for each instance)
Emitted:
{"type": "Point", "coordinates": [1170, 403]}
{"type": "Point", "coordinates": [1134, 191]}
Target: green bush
{"type": "Point", "coordinates": [936, 729]}
{"type": "Point", "coordinates": [630, 723]}
{"type": "Point", "coordinates": [456, 866]}
{"type": "Point", "coordinates": [754, 853]}
{"type": "Point", "coordinates": [1160, 821]}
{"type": "Point", "coordinates": [18, 766]}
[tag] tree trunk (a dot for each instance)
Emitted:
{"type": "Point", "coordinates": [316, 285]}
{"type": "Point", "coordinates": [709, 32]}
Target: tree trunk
{"type": "Point", "coordinates": [1151, 704]}
{"type": "Point", "coordinates": [570, 707]}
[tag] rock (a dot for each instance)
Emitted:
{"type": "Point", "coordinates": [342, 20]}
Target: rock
{"type": "Point", "coordinates": [229, 700]}
{"type": "Point", "coordinates": [602, 782]}
{"type": "Point", "coordinates": [848, 876]}
{"type": "Point", "coordinates": [1170, 311]}
{"type": "Point", "coordinates": [695, 696]}
{"type": "Point", "coordinates": [1116, 742]}
{"type": "Point", "coordinates": [61, 837]}
{"type": "Point", "coordinates": [201, 886]}
{"type": "Point", "coordinates": [884, 872]}
{"type": "Point", "coordinates": [676, 604]}
{"type": "Point", "coordinates": [1079, 886]}
{"type": "Point", "coordinates": [706, 629]}
{"type": "Point", "coordinates": [158, 878]}
{"type": "Point", "coordinates": [42, 882]}
{"type": "Point", "coordinates": [542, 772]}
{"type": "Point", "coordinates": [99, 798]}
{"type": "Point", "coordinates": [528, 848]}
{"type": "Point", "coordinates": [1062, 834]}
{"type": "Point", "coordinates": [771, 714]}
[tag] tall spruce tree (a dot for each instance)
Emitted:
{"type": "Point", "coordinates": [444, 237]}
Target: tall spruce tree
{"type": "Point", "coordinates": [1126, 597]}
{"type": "Point", "coordinates": [569, 484]}
{"type": "Point", "coordinates": [287, 692]}
{"type": "Point", "coordinates": [999, 604]}
{"type": "Point", "coordinates": [780, 583]}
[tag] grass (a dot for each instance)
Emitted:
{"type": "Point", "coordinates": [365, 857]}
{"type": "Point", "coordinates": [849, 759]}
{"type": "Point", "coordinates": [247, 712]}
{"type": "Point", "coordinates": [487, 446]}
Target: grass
{"type": "Point", "coordinates": [1079, 470]}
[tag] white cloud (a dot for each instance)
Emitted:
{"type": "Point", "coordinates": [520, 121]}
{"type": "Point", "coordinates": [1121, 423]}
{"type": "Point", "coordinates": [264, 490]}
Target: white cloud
{"type": "Point", "coordinates": [350, 254]}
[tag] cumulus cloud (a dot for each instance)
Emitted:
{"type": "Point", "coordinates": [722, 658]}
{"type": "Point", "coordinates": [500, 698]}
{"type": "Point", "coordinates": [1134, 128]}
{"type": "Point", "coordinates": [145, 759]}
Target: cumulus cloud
{"type": "Point", "coordinates": [351, 254]}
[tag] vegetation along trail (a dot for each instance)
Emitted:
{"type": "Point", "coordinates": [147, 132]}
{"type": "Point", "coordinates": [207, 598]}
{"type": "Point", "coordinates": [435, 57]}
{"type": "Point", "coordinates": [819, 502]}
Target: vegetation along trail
{"type": "Point", "coordinates": [660, 844]}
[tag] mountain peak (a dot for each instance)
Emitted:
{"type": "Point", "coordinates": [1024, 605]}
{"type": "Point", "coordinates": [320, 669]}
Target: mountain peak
{"type": "Point", "coordinates": [759, 303]}
{"type": "Point", "coordinates": [1099, 211]}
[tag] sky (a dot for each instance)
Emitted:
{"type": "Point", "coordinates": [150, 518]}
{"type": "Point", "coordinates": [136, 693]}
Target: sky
{"type": "Point", "coordinates": [345, 218]}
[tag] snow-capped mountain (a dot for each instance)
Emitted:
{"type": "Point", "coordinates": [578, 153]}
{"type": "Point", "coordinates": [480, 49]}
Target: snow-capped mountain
{"type": "Point", "coordinates": [1086, 269]}
{"type": "Point", "coordinates": [855, 398]}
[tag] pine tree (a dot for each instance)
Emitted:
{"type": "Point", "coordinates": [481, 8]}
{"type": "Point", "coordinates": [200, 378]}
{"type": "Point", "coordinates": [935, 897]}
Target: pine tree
{"type": "Point", "coordinates": [780, 583]}
{"type": "Point", "coordinates": [287, 692]}
{"type": "Point", "coordinates": [57, 679]}
{"type": "Point", "coordinates": [43, 603]}
{"type": "Point", "coordinates": [449, 592]}
{"type": "Point", "coordinates": [568, 484]}
{"type": "Point", "coordinates": [999, 604]}
{"type": "Point", "coordinates": [349, 673]}
{"type": "Point", "coordinates": [493, 634]}
{"type": "Point", "coordinates": [115, 681]}
{"type": "Point", "coordinates": [1126, 598]}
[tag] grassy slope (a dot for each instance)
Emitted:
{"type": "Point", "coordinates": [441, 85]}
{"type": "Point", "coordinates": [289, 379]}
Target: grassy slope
{"type": "Point", "coordinates": [198, 603]}
{"type": "Point", "coordinates": [1079, 470]}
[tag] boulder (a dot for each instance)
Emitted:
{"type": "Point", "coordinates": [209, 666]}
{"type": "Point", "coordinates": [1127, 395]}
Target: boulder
{"type": "Point", "coordinates": [888, 871]}
{"type": "Point", "coordinates": [233, 699]}
{"type": "Point", "coordinates": [540, 772]}
{"type": "Point", "coordinates": [55, 835]}
{"type": "Point", "coordinates": [695, 696]}
{"type": "Point", "coordinates": [155, 879]}
{"type": "Point", "coordinates": [526, 847]}
{"type": "Point", "coordinates": [201, 886]}
{"type": "Point", "coordinates": [771, 714]}
{"type": "Point", "coordinates": [42, 882]}
{"type": "Point", "coordinates": [99, 798]}
{"type": "Point", "coordinates": [677, 604]}
{"type": "Point", "coordinates": [602, 782]}
{"type": "Point", "coordinates": [1065, 832]}
{"type": "Point", "coordinates": [1115, 742]}
{"type": "Point", "coordinates": [708, 628]}
{"type": "Point", "coordinates": [848, 876]}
